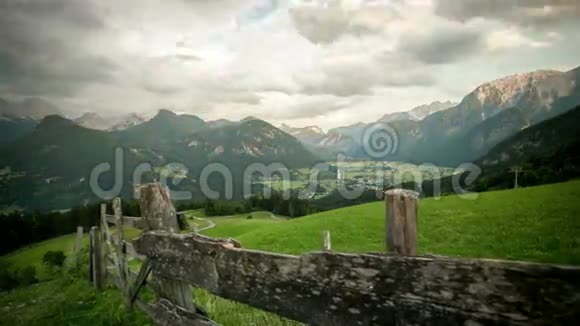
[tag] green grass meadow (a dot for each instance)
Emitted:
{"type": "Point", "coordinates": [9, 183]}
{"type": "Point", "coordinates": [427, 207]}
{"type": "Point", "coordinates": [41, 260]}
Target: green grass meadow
{"type": "Point", "coordinates": [539, 224]}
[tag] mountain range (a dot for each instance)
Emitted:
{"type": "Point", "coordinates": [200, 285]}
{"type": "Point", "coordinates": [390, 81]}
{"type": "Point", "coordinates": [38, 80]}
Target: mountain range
{"type": "Point", "coordinates": [418, 113]}
{"type": "Point", "coordinates": [41, 158]}
{"type": "Point", "coordinates": [446, 133]}
{"type": "Point", "coordinates": [347, 139]}
{"type": "Point", "coordinates": [490, 114]}
{"type": "Point", "coordinates": [543, 153]}
{"type": "Point", "coordinates": [93, 120]}
{"type": "Point", "coordinates": [20, 117]}
{"type": "Point", "coordinates": [50, 167]}
{"type": "Point", "coordinates": [547, 152]}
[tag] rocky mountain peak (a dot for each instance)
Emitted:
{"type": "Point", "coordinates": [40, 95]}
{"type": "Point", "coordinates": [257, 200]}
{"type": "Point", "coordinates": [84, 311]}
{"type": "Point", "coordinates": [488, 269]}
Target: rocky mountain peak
{"type": "Point", "coordinates": [419, 112]}
{"type": "Point", "coordinates": [314, 130]}
{"type": "Point", "coordinates": [506, 91]}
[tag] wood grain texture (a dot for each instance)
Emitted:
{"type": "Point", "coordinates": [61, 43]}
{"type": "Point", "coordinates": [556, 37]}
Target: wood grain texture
{"type": "Point", "coordinates": [97, 258]}
{"type": "Point", "coordinates": [401, 220]}
{"type": "Point", "coordinates": [156, 208]}
{"type": "Point", "coordinates": [340, 289]}
{"type": "Point", "coordinates": [120, 247]}
{"type": "Point", "coordinates": [159, 214]}
{"type": "Point", "coordinates": [129, 221]}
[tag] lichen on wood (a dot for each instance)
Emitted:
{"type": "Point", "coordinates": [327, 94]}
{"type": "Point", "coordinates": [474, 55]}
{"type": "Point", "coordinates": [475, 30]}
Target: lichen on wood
{"type": "Point", "coordinates": [327, 288]}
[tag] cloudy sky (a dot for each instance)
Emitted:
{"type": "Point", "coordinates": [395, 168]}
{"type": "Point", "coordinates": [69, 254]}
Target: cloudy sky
{"type": "Point", "coordinates": [303, 62]}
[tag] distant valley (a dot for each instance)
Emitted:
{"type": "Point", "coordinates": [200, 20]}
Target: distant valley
{"type": "Point", "coordinates": [41, 150]}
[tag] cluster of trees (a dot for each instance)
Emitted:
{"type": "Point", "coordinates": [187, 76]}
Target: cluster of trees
{"type": "Point", "coordinates": [222, 207]}
{"type": "Point", "coordinates": [275, 203]}
{"type": "Point", "coordinates": [18, 229]}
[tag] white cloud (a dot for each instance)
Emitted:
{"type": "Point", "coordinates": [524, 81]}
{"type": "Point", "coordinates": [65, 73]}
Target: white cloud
{"type": "Point", "coordinates": [281, 60]}
{"type": "Point", "coordinates": [513, 37]}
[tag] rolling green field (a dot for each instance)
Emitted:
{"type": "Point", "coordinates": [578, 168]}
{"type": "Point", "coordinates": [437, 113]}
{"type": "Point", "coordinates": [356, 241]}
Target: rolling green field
{"type": "Point", "coordinates": [540, 224]}
{"type": "Point", "coordinates": [237, 225]}
{"type": "Point", "coordinates": [32, 255]}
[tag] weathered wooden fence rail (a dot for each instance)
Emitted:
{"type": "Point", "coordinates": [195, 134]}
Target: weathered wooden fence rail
{"type": "Point", "coordinates": [326, 288]}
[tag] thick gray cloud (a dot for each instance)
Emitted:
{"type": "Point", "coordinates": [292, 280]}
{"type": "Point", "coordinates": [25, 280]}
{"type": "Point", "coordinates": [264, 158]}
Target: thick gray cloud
{"type": "Point", "coordinates": [320, 25]}
{"type": "Point", "coordinates": [296, 61]}
{"type": "Point", "coordinates": [39, 52]}
{"type": "Point", "coordinates": [442, 45]}
{"type": "Point", "coordinates": [79, 13]}
{"type": "Point", "coordinates": [361, 78]}
{"type": "Point", "coordinates": [524, 12]}
{"type": "Point", "coordinates": [326, 24]}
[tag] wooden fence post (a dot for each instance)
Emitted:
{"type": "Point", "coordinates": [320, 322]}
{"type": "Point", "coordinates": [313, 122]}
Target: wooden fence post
{"type": "Point", "coordinates": [79, 239]}
{"type": "Point", "coordinates": [159, 214]}
{"type": "Point", "coordinates": [401, 216]}
{"type": "Point", "coordinates": [326, 243]}
{"type": "Point", "coordinates": [96, 258]}
{"type": "Point", "coordinates": [91, 250]}
{"type": "Point", "coordinates": [78, 245]}
{"type": "Point", "coordinates": [104, 228]}
{"type": "Point", "coordinates": [120, 248]}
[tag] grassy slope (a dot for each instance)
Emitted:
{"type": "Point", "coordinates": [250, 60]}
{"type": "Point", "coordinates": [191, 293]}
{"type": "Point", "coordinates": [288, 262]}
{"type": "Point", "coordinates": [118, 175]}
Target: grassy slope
{"type": "Point", "coordinates": [66, 301]}
{"type": "Point", "coordinates": [537, 224]}
{"type": "Point", "coordinates": [60, 299]}
{"type": "Point", "coordinates": [32, 255]}
{"type": "Point", "coordinates": [238, 225]}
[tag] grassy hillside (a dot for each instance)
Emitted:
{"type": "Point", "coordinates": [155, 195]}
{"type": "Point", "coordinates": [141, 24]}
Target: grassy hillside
{"type": "Point", "coordinates": [32, 255]}
{"type": "Point", "coordinates": [238, 225]}
{"type": "Point", "coordinates": [67, 301]}
{"type": "Point", "coordinates": [62, 297]}
{"type": "Point", "coordinates": [537, 224]}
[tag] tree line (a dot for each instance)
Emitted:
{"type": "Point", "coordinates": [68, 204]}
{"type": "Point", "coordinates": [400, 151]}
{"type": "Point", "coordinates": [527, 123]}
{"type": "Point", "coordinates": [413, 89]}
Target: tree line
{"type": "Point", "coordinates": [18, 229]}
{"type": "Point", "coordinates": [276, 203]}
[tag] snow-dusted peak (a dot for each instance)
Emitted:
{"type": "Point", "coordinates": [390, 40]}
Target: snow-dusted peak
{"type": "Point", "coordinates": [314, 130]}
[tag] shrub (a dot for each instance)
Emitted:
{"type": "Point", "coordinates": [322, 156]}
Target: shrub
{"type": "Point", "coordinates": [27, 276]}
{"type": "Point", "coordinates": [7, 279]}
{"type": "Point", "coordinates": [249, 217]}
{"type": "Point", "coordinates": [54, 258]}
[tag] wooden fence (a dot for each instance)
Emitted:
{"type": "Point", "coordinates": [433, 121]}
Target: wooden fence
{"type": "Point", "coordinates": [324, 288]}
